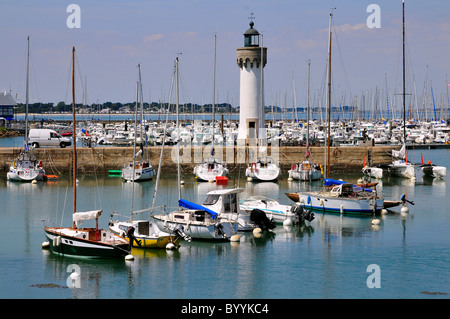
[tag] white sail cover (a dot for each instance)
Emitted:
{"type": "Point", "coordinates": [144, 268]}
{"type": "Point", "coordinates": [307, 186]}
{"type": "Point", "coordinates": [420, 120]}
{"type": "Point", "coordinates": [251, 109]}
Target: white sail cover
{"type": "Point", "coordinates": [80, 216]}
{"type": "Point", "coordinates": [400, 154]}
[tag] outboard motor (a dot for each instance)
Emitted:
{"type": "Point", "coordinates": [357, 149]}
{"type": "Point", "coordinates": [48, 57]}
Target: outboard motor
{"type": "Point", "coordinates": [131, 237]}
{"type": "Point", "coordinates": [179, 231]}
{"type": "Point", "coordinates": [302, 213]}
{"type": "Point", "coordinates": [219, 229]}
{"type": "Point", "coordinates": [260, 219]}
{"type": "Point", "coordinates": [404, 200]}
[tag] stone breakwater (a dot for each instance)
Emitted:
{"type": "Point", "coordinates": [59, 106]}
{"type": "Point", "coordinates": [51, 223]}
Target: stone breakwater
{"type": "Point", "coordinates": [101, 159]}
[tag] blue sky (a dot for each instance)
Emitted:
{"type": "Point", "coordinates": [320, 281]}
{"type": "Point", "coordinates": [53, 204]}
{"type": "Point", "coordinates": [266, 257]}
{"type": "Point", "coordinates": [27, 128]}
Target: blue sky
{"type": "Point", "coordinates": [117, 35]}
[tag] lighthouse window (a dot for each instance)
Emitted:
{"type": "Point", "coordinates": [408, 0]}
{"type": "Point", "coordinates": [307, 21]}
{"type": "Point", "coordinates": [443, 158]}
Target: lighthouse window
{"type": "Point", "coordinates": [254, 40]}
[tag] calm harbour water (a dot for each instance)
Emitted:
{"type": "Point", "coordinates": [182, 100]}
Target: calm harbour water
{"type": "Point", "coordinates": [327, 259]}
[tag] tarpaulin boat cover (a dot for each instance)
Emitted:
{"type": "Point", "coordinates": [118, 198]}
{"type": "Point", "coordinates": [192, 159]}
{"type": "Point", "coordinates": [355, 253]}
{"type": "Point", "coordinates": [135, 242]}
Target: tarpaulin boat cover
{"type": "Point", "coordinates": [331, 182]}
{"type": "Point", "coordinates": [187, 204]}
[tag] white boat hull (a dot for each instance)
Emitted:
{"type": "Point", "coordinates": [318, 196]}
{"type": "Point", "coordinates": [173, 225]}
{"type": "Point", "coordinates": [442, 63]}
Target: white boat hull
{"type": "Point", "coordinates": [197, 229]}
{"type": "Point", "coordinates": [401, 169]}
{"type": "Point", "coordinates": [434, 171]}
{"type": "Point", "coordinates": [140, 174]}
{"type": "Point", "coordinates": [322, 203]}
{"type": "Point", "coordinates": [374, 172]}
{"type": "Point", "coordinates": [25, 175]}
{"type": "Point", "coordinates": [270, 173]}
{"type": "Point", "coordinates": [204, 172]}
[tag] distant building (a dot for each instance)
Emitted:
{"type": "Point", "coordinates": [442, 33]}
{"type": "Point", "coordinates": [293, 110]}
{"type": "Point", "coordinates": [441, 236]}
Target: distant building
{"type": "Point", "coordinates": [7, 104]}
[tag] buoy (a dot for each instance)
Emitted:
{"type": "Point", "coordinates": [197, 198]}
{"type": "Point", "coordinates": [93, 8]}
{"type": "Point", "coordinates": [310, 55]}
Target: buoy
{"type": "Point", "coordinates": [404, 210]}
{"type": "Point", "coordinates": [129, 257]}
{"type": "Point", "coordinates": [257, 231]}
{"type": "Point", "coordinates": [384, 211]}
{"type": "Point", "coordinates": [34, 181]}
{"type": "Point", "coordinates": [375, 221]}
{"type": "Point", "coordinates": [78, 181]}
{"type": "Point", "coordinates": [290, 179]}
{"type": "Point", "coordinates": [249, 179]}
{"type": "Point", "coordinates": [212, 180]}
{"type": "Point", "coordinates": [235, 238]}
{"type": "Point", "coordinates": [45, 244]}
{"type": "Point", "coordinates": [287, 222]}
{"type": "Point", "coordinates": [181, 182]}
{"type": "Point", "coordinates": [170, 246]}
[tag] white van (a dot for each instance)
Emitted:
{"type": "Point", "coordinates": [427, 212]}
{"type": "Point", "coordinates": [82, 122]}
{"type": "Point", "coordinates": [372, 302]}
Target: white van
{"type": "Point", "coordinates": [47, 137]}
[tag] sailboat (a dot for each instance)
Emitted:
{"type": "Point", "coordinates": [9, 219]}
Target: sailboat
{"type": "Point", "coordinates": [211, 167]}
{"type": "Point", "coordinates": [84, 242]}
{"type": "Point", "coordinates": [144, 233]}
{"type": "Point", "coordinates": [306, 170]}
{"type": "Point", "coordinates": [140, 169]}
{"type": "Point", "coordinates": [196, 221]}
{"type": "Point", "coordinates": [26, 167]}
{"type": "Point", "coordinates": [400, 167]}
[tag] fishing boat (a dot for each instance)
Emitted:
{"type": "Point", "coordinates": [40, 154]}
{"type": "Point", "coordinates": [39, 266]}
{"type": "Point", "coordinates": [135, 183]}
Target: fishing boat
{"type": "Point", "coordinates": [140, 169]}
{"type": "Point", "coordinates": [264, 169]}
{"type": "Point", "coordinates": [211, 167]}
{"type": "Point", "coordinates": [346, 199]}
{"type": "Point", "coordinates": [26, 167]}
{"type": "Point", "coordinates": [306, 170]}
{"type": "Point", "coordinates": [84, 242]}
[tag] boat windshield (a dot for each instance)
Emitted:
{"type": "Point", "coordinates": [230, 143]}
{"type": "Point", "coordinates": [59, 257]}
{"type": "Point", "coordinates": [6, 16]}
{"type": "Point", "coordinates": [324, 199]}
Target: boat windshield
{"type": "Point", "coordinates": [211, 200]}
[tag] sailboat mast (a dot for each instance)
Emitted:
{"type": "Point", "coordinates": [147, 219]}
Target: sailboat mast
{"type": "Point", "coordinates": [178, 127]}
{"type": "Point", "coordinates": [26, 93]}
{"type": "Point", "coordinates": [74, 138]}
{"type": "Point", "coordinates": [307, 114]}
{"type": "Point", "coordinates": [214, 94]}
{"type": "Point", "coordinates": [329, 100]}
{"type": "Point", "coordinates": [404, 77]}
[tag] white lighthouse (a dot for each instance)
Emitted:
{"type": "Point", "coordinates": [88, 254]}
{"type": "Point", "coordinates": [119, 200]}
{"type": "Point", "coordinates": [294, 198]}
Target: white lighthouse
{"type": "Point", "coordinates": [251, 60]}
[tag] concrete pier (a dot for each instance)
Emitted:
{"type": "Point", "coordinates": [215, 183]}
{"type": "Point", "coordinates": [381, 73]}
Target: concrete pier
{"type": "Point", "coordinates": [58, 161]}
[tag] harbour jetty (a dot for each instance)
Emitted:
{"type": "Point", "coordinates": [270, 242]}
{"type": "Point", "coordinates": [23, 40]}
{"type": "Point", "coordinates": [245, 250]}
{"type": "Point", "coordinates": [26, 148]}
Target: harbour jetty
{"type": "Point", "coordinates": [102, 159]}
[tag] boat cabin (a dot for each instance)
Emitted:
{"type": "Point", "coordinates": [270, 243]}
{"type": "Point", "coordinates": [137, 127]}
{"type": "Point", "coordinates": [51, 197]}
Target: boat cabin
{"type": "Point", "coordinates": [223, 200]}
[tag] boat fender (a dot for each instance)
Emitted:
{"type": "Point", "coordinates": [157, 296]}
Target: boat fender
{"type": "Point", "coordinates": [57, 241]}
{"type": "Point", "coordinates": [342, 209]}
{"type": "Point", "coordinates": [308, 200]}
{"type": "Point", "coordinates": [321, 202]}
{"type": "Point", "coordinates": [40, 164]}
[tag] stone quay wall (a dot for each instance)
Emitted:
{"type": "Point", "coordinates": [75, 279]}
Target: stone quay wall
{"type": "Point", "coordinates": [58, 161]}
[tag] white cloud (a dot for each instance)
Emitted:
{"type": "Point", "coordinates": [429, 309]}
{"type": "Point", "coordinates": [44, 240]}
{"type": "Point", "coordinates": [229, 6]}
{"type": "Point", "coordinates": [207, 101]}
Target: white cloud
{"type": "Point", "coordinates": [153, 37]}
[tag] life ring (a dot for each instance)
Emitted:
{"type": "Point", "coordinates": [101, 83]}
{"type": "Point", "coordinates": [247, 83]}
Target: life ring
{"type": "Point", "coordinates": [40, 164]}
{"type": "Point", "coordinates": [337, 153]}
